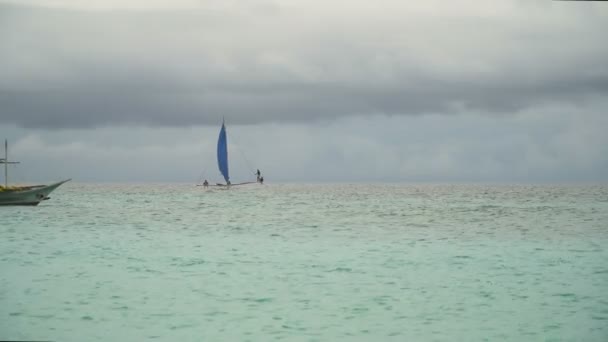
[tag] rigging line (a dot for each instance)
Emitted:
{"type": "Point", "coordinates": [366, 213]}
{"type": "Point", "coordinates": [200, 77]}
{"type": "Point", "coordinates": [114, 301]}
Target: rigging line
{"type": "Point", "coordinates": [200, 178]}
{"type": "Point", "coordinates": [251, 169]}
{"type": "Point", "coordinates": [202, 174]}
{"type": "Point", "coordinates": [205, 165]}
{"type": "Point", "coordinates": [17, 177]}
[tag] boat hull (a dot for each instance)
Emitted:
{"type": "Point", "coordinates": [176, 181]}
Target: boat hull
{"type": "Point", "coordinates": [30, 195]}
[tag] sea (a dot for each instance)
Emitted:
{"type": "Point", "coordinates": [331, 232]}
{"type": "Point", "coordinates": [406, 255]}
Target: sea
{"type": "Point", "coordinates": [307, 262]}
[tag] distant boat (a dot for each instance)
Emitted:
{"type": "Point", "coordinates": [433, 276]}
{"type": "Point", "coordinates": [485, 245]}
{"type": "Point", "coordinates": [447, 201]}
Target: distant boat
{"type": "Point", "coordinates": [222, 159]}
{"type": "Point", "coordinates": [23, 195]}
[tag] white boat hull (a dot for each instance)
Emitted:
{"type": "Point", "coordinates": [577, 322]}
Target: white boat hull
{"type": "Point", "coordinates": [30, 195]}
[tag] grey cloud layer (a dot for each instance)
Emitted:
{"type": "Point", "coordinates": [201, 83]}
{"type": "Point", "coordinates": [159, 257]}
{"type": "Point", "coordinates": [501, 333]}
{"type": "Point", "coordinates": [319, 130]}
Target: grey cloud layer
{"type": "Point", "coordinates": [552, 145]}
{"type": "Point", "coordinates": [71, 68]}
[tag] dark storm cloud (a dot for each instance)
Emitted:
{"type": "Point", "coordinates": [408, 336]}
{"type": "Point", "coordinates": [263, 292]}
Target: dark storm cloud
{"type": "Point", "coordinates": [73, 68]}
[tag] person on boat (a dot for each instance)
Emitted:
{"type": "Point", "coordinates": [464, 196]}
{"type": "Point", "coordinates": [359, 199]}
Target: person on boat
{"type": "Point", "coordinates": [206, 184]}
{"type": "Point", "coordinates": [258, 175]}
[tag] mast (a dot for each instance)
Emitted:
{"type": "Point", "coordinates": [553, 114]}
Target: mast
{"type": "Point", "coordinates": [6, 162]}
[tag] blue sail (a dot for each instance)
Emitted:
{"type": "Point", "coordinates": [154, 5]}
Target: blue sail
{"type": "Point", "coordinates": [222, 153]}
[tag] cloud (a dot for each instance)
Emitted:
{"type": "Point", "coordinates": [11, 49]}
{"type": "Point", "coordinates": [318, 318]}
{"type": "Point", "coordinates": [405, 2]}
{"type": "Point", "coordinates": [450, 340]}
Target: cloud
{"type": "Point", "coordinates": [549, 144]}
{"type": "Point", "coordinates": [84, 65]}
{"type": "Point", "coordinates": [134, 90]}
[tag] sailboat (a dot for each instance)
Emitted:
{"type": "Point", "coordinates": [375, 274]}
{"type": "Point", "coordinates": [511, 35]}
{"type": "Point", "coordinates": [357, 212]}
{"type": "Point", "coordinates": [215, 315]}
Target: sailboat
{"type": "Point", "coordinates": [23, 195]}
{"type": "Point", "coordinates": [222, 159]}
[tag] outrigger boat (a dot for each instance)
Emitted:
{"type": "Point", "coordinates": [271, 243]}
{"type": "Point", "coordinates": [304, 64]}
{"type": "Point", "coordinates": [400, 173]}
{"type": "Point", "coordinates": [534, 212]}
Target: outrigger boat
{"type": "Point", "coordinates": [23, 195]}
{"type": "Point", "coordinates": [222, 162]}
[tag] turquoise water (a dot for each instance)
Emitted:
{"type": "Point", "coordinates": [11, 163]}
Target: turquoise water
{"type": "Point", "coordinates": [307, 263]}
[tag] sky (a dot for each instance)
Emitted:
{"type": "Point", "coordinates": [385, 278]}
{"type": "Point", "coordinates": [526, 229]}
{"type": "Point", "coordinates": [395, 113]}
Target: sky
{"type": "Point", "coordinates": [311, 91]}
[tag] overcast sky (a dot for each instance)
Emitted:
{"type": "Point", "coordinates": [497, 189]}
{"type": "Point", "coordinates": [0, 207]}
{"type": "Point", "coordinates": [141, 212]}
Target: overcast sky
{"type": "Point", "coordinates": [358, 90]}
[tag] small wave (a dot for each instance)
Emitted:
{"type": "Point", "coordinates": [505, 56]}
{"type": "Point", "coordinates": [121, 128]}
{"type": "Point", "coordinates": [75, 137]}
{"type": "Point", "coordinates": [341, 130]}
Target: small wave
{"type": "Point", "coordinates": [565, 295]}
{"type": "Point", "coordinates": [259, 300]}
{"type": "Point", "coordinates": [192, 262]}
{"type": "Point", "coordinates": [181, 326]}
